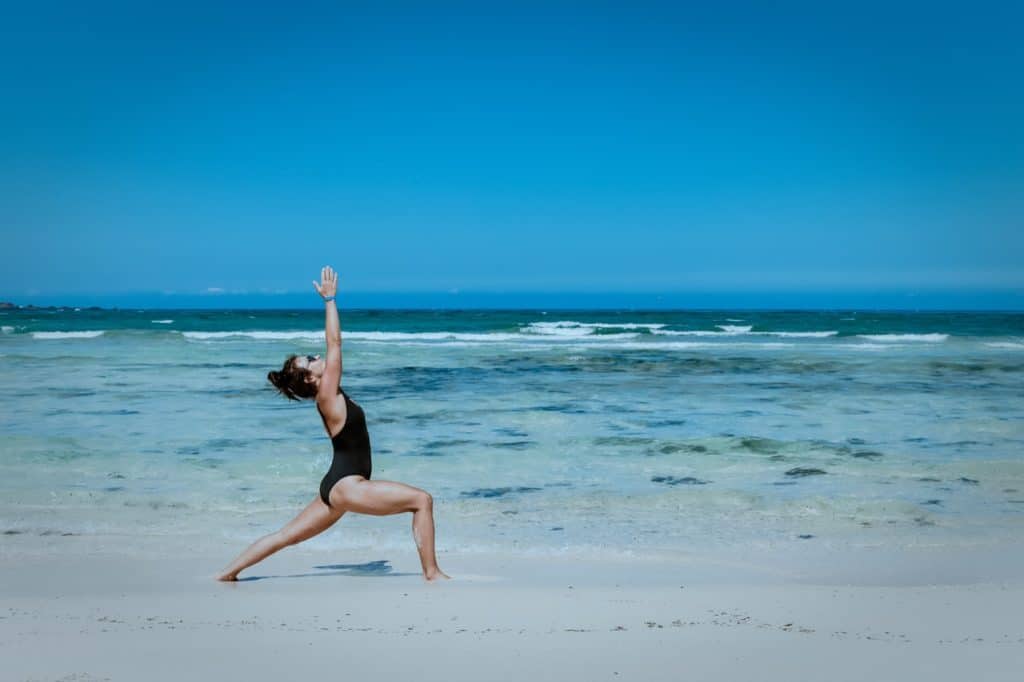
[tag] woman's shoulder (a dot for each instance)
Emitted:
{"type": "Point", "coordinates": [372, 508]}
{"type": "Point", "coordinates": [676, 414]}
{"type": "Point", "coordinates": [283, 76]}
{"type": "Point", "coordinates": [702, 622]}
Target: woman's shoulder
{"type": "Point", "coordinates": [331, 404]}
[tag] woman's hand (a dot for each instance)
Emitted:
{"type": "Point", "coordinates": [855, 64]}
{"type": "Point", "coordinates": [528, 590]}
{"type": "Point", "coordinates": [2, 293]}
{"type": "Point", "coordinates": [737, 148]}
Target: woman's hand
{"type": "Point", "coordinates": [328, 285]}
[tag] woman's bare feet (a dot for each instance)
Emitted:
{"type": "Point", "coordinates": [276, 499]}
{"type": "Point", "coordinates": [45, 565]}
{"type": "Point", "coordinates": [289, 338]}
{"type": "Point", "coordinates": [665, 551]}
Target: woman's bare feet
{"type": "Point", "coordinates": [436, 576]}
{"type": "Point", "coordinates": [227, 577]}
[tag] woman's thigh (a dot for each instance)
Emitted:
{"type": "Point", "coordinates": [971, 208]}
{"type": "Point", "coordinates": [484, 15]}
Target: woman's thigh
{"type": "Point", "coordinates": [314, 519]}
{"type": "Point", "coordinates": [379, 498]}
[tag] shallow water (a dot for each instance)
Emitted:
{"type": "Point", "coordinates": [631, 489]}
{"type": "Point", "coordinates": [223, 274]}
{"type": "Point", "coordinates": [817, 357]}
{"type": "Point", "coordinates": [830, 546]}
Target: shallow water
{"type": "Point", "coordinates": [618, 431]}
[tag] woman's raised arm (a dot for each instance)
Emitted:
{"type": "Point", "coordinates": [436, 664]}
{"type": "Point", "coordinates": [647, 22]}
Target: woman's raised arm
{"type": "Point", "coordinates": [328, 288]}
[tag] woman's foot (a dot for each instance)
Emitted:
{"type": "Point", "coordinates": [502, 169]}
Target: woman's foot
{"type": "Point", "coordinates": [436, 576]}
{"type": "Point", "coordinates": [227, 577]}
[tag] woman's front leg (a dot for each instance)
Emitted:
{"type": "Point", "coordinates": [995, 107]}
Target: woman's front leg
{"type": "Point", "coordinates": [382, 498]}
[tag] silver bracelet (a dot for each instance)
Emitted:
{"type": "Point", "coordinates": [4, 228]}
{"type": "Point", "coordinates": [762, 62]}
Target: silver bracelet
{"type": "Point", "coordinates": [328, 298]}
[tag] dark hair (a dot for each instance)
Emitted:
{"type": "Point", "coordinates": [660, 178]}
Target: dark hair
{"type": "Point", "coordinates": [291, 381]}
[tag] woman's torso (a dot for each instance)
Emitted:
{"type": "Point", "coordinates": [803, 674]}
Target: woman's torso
{"type": "Point", "coordinates": [353, 432]}
{"type": "Point", "coordinates": [351, 448]}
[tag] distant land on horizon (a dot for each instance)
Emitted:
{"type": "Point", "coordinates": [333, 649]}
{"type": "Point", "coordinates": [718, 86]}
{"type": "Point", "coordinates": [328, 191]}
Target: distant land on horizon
{"type": "Point", "coordinates": [978, 300]}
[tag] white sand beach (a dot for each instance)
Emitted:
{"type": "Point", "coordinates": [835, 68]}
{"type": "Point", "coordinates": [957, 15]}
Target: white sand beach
{"type": "Point", "coordinates": [71, 611]}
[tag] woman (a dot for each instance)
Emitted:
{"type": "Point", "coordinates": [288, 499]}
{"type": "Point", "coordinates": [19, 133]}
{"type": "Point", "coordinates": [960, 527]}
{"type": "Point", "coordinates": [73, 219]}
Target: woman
{"type": "Point", "coordinates": [346, 486]}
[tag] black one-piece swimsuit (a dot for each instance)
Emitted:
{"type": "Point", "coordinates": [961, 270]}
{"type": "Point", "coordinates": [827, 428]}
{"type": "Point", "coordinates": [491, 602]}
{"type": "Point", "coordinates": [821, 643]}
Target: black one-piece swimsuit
{"type": "Point", "coordinates": [351, 449]}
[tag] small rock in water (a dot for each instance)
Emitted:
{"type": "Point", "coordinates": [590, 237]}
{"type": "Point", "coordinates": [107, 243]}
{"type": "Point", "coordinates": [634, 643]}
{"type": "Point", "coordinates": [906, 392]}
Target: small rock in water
{"type": "Point", "coordinates": [760, 445]}
{"type": "Point", "coordinates": [805, 471]}
{"type": "Point", "coordinates": [970, 481]}
{"type": "Point", "coordinates": [498, 492]}
{"type": "Point", "coordinates": [672, 480]}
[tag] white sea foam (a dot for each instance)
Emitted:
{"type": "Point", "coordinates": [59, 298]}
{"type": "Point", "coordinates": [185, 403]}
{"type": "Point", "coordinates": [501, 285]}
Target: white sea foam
{"type": "Point", "coordinates": [622, 340]}
{"type": "Point", "coordinates": [67, 335]}
{"type": "Point", "coordinates": [570, 329]}
{"type": "Point", "coordinates": [433, 336]}
{"type": "Point", "coordinates": [800, 335]}
{"type": "Point", "coordinates": [896, 338]}
{"type": "Point", "coordinates": [744, 331]}
{"type": "Point", "coordinates": [1006, 345]}
{"type": "Point", "coordinates": [547, 332]}
{"type": "Point", "coordinates": [494, 337]}
{"type": "Point", "coordinates": [871, 346]}
{"type": "Point", "coordinates": [554, 331]}
{"type": "Point", "coordinates": [567, 335]}
{"type": "Point", "coordinates": [259, 335]}
{"type": "Point", "coordinates": [681, 345]}
{"type": "Point", "coordinates": [672, 332]}
{"type": "Point", "coordinates": [161, 321]}
{"type": "Point", "coordinates": [597, 325]}
{"type": "Point", "coordinates": [439, 344]}
{"type": "Point", "coordinates": [7, 329]}
{"type": "Point", "coordinates": [317, 336]}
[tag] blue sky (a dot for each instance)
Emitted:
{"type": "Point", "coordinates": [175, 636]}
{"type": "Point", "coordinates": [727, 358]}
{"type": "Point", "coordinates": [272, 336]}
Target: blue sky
{"type": "Point", "coordinates": [465, 149]}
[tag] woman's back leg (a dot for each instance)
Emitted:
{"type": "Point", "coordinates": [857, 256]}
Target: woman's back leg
{"type": "Point", "coordinates": [313, 520]}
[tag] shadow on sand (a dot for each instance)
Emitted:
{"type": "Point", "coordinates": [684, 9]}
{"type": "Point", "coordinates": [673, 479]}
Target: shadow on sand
{"type": "Point", "coordinates": [371, 569]}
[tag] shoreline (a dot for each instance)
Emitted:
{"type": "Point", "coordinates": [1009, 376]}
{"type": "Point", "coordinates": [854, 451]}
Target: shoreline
{"type": "Point", "coordinates": [26, 558]}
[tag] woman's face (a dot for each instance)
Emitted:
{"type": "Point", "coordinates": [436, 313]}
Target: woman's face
{"type": "Point", "coordinates": [314, 363]}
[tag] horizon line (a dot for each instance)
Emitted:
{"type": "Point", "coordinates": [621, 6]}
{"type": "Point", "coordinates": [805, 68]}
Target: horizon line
{"type": "Point", "coordinates": [542, 309]}
{"type": "Point", "coordinates": [949, 300]}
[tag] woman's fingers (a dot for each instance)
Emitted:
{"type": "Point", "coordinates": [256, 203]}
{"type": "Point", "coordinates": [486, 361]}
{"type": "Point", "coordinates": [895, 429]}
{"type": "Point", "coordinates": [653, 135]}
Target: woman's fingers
{"type": "Point", "coordinates": [327, 276]}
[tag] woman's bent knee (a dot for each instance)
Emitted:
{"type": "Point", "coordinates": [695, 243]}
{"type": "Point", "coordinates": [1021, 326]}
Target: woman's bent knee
{"type": "Point", "coordinates": [424, 500]}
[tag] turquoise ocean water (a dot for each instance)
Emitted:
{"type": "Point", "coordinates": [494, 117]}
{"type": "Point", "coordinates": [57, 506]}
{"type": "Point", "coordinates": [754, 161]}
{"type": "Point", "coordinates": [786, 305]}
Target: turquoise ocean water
{"type": "Point", "coordinates": [595, 432]}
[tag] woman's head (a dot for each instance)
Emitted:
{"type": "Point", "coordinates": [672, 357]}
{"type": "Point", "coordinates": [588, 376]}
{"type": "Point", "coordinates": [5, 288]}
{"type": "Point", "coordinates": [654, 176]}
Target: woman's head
{"type": "Point", "coordinates": [299, 377]}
